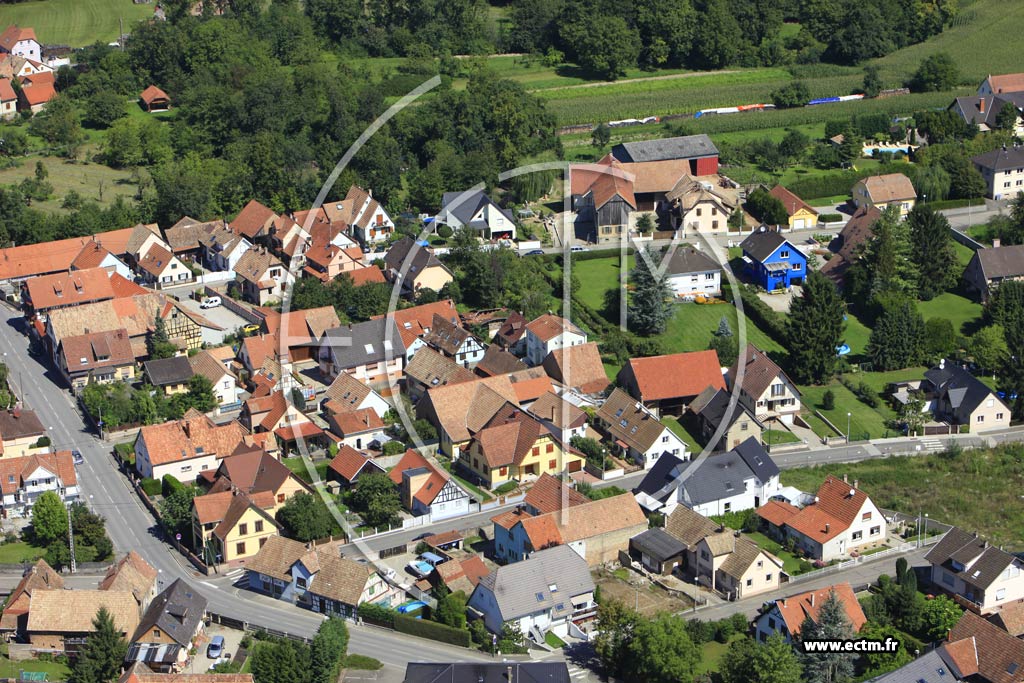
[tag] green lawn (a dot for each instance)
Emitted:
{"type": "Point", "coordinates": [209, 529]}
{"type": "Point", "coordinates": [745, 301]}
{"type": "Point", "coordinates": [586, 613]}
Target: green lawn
{"type": "Point", "coordinates": [298, 467]}
{"type": "Point", "coordinates": [856, 334]}
{"type": "Point", "coordinates": [774, 437]}
{"type": "Point", "coordinates": [18, 552]}
{"type": "Point", "coordinates": [75, 22]}
{"type": "Point", "coordinates": [711, 654]}
{"type": "Point", "coordinates": [55, 671]}
{"type": "Point", "coordinates": [679, 430]}
{"type": "Point", "coordinates": [597, 276]}
{"type": "Point", "coordinates": [553, 641]}
{"type": "Point", "coordinates": [957, 309]}
{"type": "Point", "coordinates": [692, 326]}
{"type": "Point", "coordinates": [863, 420]}
{"type": "Point", "coordinates": [85, 178]}
{"type": "Point", "coordinates": [790, 562]}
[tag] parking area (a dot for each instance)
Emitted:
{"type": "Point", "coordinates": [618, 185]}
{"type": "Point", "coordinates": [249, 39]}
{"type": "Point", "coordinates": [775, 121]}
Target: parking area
{"type": "Point", "coordinates": [200, 664]}
{"type": "Point", "coordinates": [219, 315]}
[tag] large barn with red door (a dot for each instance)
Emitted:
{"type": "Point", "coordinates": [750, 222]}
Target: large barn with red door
{"type": "Point", "coordinates": [663, 162]}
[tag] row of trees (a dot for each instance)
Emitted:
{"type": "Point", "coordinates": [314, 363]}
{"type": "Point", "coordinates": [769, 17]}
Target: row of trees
{"type": "Point", "coordinates": [118, 403]}
{"type": "Point", "coordinates": [50, 530]}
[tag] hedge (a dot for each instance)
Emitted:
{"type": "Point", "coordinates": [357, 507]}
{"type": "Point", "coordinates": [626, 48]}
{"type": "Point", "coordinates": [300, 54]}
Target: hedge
{"type": "Point", "coordinates": [152, 487]}
{"type": "Point", "coordinates": [375, 614]}
{"type": "Point", "coordinates": [431, 630]}
{"type": "Point", "coordinates": [170, 485]}
{"type": "Point", "coordinates": [827, 184]}
{"type": "Point", "coordinates": [955, 204]}
{"type": "Point", "coordinates": [829, 217]}
{"type": "Point", "coordinates": [763, 315]}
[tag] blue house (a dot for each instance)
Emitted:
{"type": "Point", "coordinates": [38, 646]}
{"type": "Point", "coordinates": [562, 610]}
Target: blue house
{"type": "Point", "coordinates": [772, 261]}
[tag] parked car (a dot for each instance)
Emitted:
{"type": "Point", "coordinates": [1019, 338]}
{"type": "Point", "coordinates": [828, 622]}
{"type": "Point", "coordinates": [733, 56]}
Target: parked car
{"type": "Point", "coordinates": [76, 456]}
{"type": "Point", "coordinates": [577, 247]}
{"type": "Point", "coordinates": [216, 647]}
{"type": "Point", "coordinates": [251, 328]}
{"type": "Point", "coordinates": [534, 252]}
{"type": "Point", "coordinates": [211, 302]}
{"type": "Point", "coordinates": [419, 568]}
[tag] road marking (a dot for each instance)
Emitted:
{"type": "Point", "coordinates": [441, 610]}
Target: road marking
{"type": "Point", "coordinates": [933, 445]}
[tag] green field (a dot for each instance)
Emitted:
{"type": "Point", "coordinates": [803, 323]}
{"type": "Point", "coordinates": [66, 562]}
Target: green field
{"type": "Point", "coordinates": [87, 178]}
{"type": "Point", "coordinates": [693, 325]}
{"type": "Point", "coordinates": [75, 22]}
{"type": "Point", "coordinates": [957, 309]}
{"type": "Point", "coordinates": [597, 276]}
{"type": "Point", "coordinates": [977, 490]}
{"type": "Point", "coordinates": [19, 552]}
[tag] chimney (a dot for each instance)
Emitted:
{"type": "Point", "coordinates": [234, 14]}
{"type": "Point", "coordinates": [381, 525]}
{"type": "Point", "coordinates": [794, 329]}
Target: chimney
{"type": "Point", "coordinates": [812, 594]}
{"type": "Point", "coordinates": [996, 242]}
{"type": "Point", "coordinates": [828, 527]}
{"type": "Point", "coordinates": [845, 480]}
{"type": "Point", "coordinates": [981, 105]}
{"type": "Point", "coordinates": [854, 483]}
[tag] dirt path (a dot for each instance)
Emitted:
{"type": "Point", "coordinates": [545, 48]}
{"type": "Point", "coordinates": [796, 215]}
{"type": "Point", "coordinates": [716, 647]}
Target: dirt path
{"type": "Point", "coordinates": [665, 77]}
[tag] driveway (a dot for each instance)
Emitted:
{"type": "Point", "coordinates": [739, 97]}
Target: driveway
{"type": "Point", "coordinates": [200, 663]}
{"type": "Point", "coordinates": [780, 302]}
{"type": "Point", "coordinates": [220, 315]}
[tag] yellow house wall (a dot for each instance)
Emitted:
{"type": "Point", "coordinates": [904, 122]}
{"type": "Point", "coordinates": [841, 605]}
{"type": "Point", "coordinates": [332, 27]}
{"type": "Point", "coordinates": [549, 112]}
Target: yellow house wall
{"type": "Point", "coordinates": [809, 218]}
{"type": "Point", "coordinates": [251, 538]}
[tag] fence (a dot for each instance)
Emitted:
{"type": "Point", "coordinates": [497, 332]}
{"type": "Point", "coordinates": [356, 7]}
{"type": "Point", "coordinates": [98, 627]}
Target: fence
{"type": "Point", "coordinates": [862, 559]}
{"type": "Point", "coordinates": [235, 307]}
{"type": "Point", "coordinates": [393, 551]}
{"type": "Point", "coordinates": [251, 627]}
{"type": "Point", "coordinates": [965, 239]}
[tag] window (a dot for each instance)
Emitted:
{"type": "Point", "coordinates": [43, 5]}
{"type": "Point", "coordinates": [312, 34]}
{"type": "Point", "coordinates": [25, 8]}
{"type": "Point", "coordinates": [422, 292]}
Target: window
{"type": "Point", "coordinates": [714, 225]}
{"type": "Point", "coordinates": [258, 526]}
{"type": "Point", "coordinates": [300, 581]}
{"type": "Point", "coordinates": [727, 507]}
{"type": "Point", "coordinates": [760, 564]}
{"type": "Point", "coordinates": [184, 468]}
{"type": "Point", "coordinates": [1001, 594]}
{"type": "Point", "coordinates": [536, 450]}
{"type": "Point", "coordinates": [768, 577]}
{"type": "Point", "coordinates": [1006, 184]}
{"type": "Point", "coordinates": [698, 213]}
{"type": "Point", "coordinates": [750, 582]}
{"type": "Point", "coordinates": [796, 266]}
{"type": "Point", "coordinates": [744, 425]}
{"type": "Point", "coordinates": [999, 416]}
{"type": "Point", "coordinates": [156, 633]}
{"type": "Point", "coordinates": [552, 464]}
{"type": "Point", "coordinates": [857, 535]}
{"type": "Point", "coordinates": [240, 548]}
{"type": "Point", "coordinates": [550, 448]}
{"type": "Point", "coordinates": [981, 418]}
{"type": "Point", "coordinates": [866, 517]}
{"type": "Point", "coordinates": [704, 555]}
{"type": "Point", "coordinates": [709, 276]}
{"type": "Point", "coordinates": [784, 254]}
{"type": "Point", "coordinates": [771, 623]}
{"type": "Point", "coordinates": [243, 529]}
{"type": "Point", "coordinates": [503, 471]}
{"type": "Point", "coordinates": [875, 530]}
{"type": "Point", "coordinates": [664, 439]}
{"type": "Point", "coordinates": [778, 390]}
{"type": "Point", "coordinates": [989, 403]}
{"type": "Point", "coordinates": [280, 498]}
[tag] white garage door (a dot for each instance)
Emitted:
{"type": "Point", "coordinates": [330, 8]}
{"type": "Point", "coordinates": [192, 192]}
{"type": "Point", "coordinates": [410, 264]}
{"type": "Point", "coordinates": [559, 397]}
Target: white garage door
{"type": "Point", "coordinates": [798, 224]}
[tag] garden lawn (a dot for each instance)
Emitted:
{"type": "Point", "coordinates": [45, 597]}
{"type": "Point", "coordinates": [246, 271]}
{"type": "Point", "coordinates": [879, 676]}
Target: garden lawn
{"type": "Point", "coordinates": [957, 309]}
{"type": "Point", "coordinates": [597, 276]}
{"type": "Point", "coordinates": [711, 654]}
{"type": "Point", "coordinates": [865, 422]}
{"type": "Point", "coordinates": [857, 335]}
{"type": "Point", "coordinates": [85, 178]}
{"type": "Point", "coordinates": [679, 430]}
{"type": "Point", "coordinates": [976, 489]}
{"type": "Point", "coordinates": [19, 552]}
{"type": "Point", "coordinates": [692, 326]}
{"type": "Point", "coordinates": [298, 467]}
{"type": "Point", "coordinates": [780, 436]}
{"type": "Point", "coordinates": [790, 562]}
{"type": "Point", "coordinates": [75, 22]}
{"type": "Point", "coordinates": [55, 671]}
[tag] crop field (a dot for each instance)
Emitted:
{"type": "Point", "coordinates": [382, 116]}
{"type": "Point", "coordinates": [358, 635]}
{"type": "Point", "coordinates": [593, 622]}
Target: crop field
{"type": "Point", "coordinates": [74, 22]}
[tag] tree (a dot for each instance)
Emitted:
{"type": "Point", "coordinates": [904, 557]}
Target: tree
{"type": "Point", "coordinates": [793, 94]}
{"type": "Point", "coordinates": [327, 652]}
{"type": "Point", "coordinates": [815, 330]}
{"type": "Point", "coordinates": [607, 46]}
{"type": "Point", "coordinates": [644, 224]}
{"type": "Point", "coordinates": [936, 72]}
{"type": "Point", "coordinates": [724, 343]}
{"type": "Point", "coordinates": [832, 624]}
{"type": "Point", "coordinates": [852, 146]}
{"type": "Point", "coordinates": [103, 108]}
{"type": "Point", "coordinates": [615, 630]}
{"type": "Point", "coordinates": [717, 37]}
{"type": "Point", "coordinates": [376, 499]}
{"type": "Point", "coordinates": [176, 510]}
{"type": "Point", "coordinates": [872, 81]}
{"type": "Point", "coordinates": [912, 414]}
{"type": "Point", "coordinates": [59, 125]}
{"type": "Point", "coordinates": [305, 518]}
{"type": "Point", "coordinates": [794, 144]}
{"type": "Point", "coordinates": [1007, 117]}
{"type": "Point", "coordinates": [601, 135]}
{"type": "Point", "coordinates": [774, 661]}
{"type": "Point", "coordinates": [883, 662]}
{"type": "Point", "coordinates": [650, 307]}
{"type": "Point", "coordinates": [200, 393]}
{"type": "Point", "coordinates": [102, 656]}
{"type": "Point", "coordinates": [158, 344]}
{"type": "Point", "coordinates": [888, 257]}
{"type": "Point", "coordinates": [661, 651]}
{"type": "Point", "coordinates": [766, 208]}
{"type": "Point", "coordinates": [932, 251]}
{"type": "Point", "coordinates": [941, 340]}
{"type": "Point", "coordinates": [451, 610]}
{"type": "Point", "coordinates": [49, 519]}
{"type": "Point", "coordinates": [988, 348]}
{"type": "Point", "coordinates": [898, 338]}
{"type": "Point", "coordinates": [281, 661]}
{"type": "Point", "coordinates": [938, 616]}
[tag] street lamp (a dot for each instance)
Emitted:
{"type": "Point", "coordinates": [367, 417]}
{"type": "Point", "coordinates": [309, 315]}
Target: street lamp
{"type": "Point", "coordinates": [848, 428]}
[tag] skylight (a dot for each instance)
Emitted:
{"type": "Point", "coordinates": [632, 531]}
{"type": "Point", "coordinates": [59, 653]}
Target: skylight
{"type": "Point", "coordinates": [540, 597]}
{"type": "Point", "coordinates": [368, 348]}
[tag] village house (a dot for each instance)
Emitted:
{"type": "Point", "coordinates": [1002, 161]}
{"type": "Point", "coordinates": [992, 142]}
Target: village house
{"type": "Point", "coordinates": [133, 575]}
{"type": "Point", "coordinates": [254, 222]}
{"type": "Point", "coordinates": [983, 111]}
{"type": "Point", "coordinates": [98, 357]}
{"type": "Point", "coordinates": [426, 489]}
{"type": "Point", "coordinates": [767, 391]}
{"type": "Point", "coordinates": [454, 342]}
{"type": "Point", "coordinates": [478, 212]}
{"type": "Point", "coordinates": [578, 367]}
{"type": "Point", "coordinates": [348, 393]}
{"type": "Point", "coordinates": [20, 42]}
{"type": "Point", "coordinates": [170, 627]}
{"type": "Point", "coordinates": [959, 660]}
{"type": "Point", "coordinates": [367, 221]}
{"type": "Point", "coordinates": [801, 214]}
{"type": "Point", "coordinates": [95, 255]}
{"type": "Point", "coordinates": [277, 415]}
{"type": "Point", "coordinates": [847, 247]}
{"type": "Point", "coordinates": [170, 375]}
{"type": "Point", "coordinates": [711, 407]}
{"type": "Point", "coordinates": [667, 384]}
{"type": "Point", "coordinates": [658, 551]}
{"type": "Point", "coordinates": [8, 100]}
{"type": "Point", "coordinates": [221, 247]}
{"type": "Point", "coordinates": [511, 334]}
{"type": "Point", "coordinates": [331, 262]}
{"type": "Point", "coordinates": [159, 268]}
{"type": "Point", "coordinates": [319, 578]}
{"type": "Point", "coordinates": [637, 433]}
{"type": "Point", "coordinates": [597, 530]}
{"type": "Point", "coordinates": [990, 267]}
{"type": "Point", "coordinates": [497, 361]}
{"type": "Point", "coordinates": [561, 418]}
{"type": "Point", "coordinates": [37, 577]}
{"type": "Point", "coordinates": [607, 202]}
{"type": "Point", "coordinates": [349, 464]}
{"type": "Point", "coordinates": [962, 400]}
{"type": "Point", "coordinates": [184, 239]}
{"type": "Point", "coordinates": [371, 351]}
{"type": "Point", "coordinates": [20, 431]}
{"type": "Point", "coordinates": [254, 472]}
{"type": "Point", "coordinates": [1001, 83]}
{"type": "Point", "coordinates": [771, 261]}
{"type": "Point", "coordinates": [298, 333]}
{"type": "Point", "coordinates": [224, 383]}
{"type": "Point", "coordinates": [1003, 171]}
{"type": "Point", "coordinates": [698, 151]}
{"type": "Point", "coordinates": [23, 479]}
{"type": "Point", "coordinates": [261, 276]}
{"type": "Point", "coordinates": [154, 99]}
{"type": "Point", "coordinates": [549, 332]}
{"type": "Point", "coordinates": [551, 591]}
{"type": "Point", "coordinates": [787, 615]}
{"type": "Point", "coordinates": [881, 191]}
{"type": "Point", "coordinates": [429, 369]}
{"type": "Point", "coordinates": [184, 448]}
{"type": "Point", "coordinates": [415, 265]}
{"type": "Point", "coordinates": [354, 428]}
{"type": "Point", "coordinates": [45, 293]}
{"type": "Point", "coordinates": [841, 520]}
{"type": "Point", "coordinates": [983, 652]}
{"type": "Point", "coordinates": [231, 526]}
{"type": "Point", "coordinates": [703, 205]}
{"type": "Point", "coordinates": [980, 576]}
{"type": "Point", "coordinates": [457, 411]}
{"type": "Point", "coordinates": [21, 262]}
{"type": "Point", "coordinates": [691, 273]}
{"type": "Point", "coordinates": [458, 574]}
{"type": "Point", "coordinates": [59, 622]}
{"type": "Point", "coordinates": [414, 323]}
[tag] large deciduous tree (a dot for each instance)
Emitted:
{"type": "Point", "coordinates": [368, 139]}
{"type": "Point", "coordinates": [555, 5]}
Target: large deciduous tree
{"type": "Point", "coordinates": [305, 518]}
{"type": "Point", "coordinates": [773, 661]}
{"type": "Point", "coordinates": [376, 499]}
{"type": "Point", "coordinates": [49, 519]}
{"type": "Point", "coordinates": [815, 330]}
{"type": "Point", "coordinates": [660, 650]}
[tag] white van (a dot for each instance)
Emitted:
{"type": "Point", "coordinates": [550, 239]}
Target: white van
{"type": "Point", "coordinates": [212, 302]}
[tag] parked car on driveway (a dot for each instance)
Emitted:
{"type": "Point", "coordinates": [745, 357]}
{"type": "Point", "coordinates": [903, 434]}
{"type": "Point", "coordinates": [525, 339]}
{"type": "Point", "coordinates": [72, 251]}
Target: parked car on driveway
{"type": "Point", "coordinates": [211, 302]}
{"type": "Point", "coordinates": [216, 647]}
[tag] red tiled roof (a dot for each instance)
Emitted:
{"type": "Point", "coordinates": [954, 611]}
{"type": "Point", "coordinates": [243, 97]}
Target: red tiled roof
{"type": "Point", "coordinates": [677, 375]}
{"type": "Point", "coordinates": [431, 487]}
{"type": "Point", "coordinates": [6, 91]}
{"type": "Point", "coordinates": [415, 321]}
{"type": "Point", "coordinates": [357, 421]}
{"type": "Point", "coordinates": [348, 462]}
{"type": "Point", "coordinates": [252, 219]}
{"type": "Point", "coordinates": [305, 430]}
{"type": "Point", "coordinates": [38, 93]}
{"type": "Point", "coordinates": [67, 289]}
{"type": "Point", "coordinates": [14, 33]}
{"type": "Point", "coordinates": [153, 93]}
{"type": "Point", "coordinates": [776, 512]}
{"type": "Point", "coordinates": [53, 257]}
{"type": "Point", "coordinates": [365, 276]}
{"type": "Point", "coordinates": [790, 200]}
{"type": "Point", "coordinates": [578, 366]}
{"type": "Point", "coordinates": [795, 609]}
{"type": "Point", "coordinates": [1000, 656]}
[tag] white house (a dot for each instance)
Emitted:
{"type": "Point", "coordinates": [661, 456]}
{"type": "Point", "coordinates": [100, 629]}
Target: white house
{"type": "Point", "coordinates": [225, 386]}
{"type": "Point", "coordinates": [20, 42]}
{"type": "Point", "coordinates": [479, 213]}
{"type": "Point", "coordinates": [368, 222]}
{"type": "Point", "coordinates": [348, 392]}
{"type": "Point", "coordinates": [977, 571]}
{"type": "Point", "coordinates": [370, 351]}
{"type": "Point", "coordinates": [222, 247]}
{"type": "Point", "coordinates": [841, 520]}
{"type": "Point", "coordinates": [24, 479]}
{"type": "Point", "coordinates": [184, 448]}
{"type": "Point", "coordinates": [454, 341]}
{"type": "Point", "coordinates": [426, 489]}
{"type": "Point", "coordinates": [692, 273]}
{"type": "Point", "coordinates": [562, 418]}
{"type": "Point", "coordinates": [637, 432]}
{"type": "Point", "coordinates": [261, 276]}
{"type": "Point", "coordinates": [548, 333]}
{"type": "Point", "coordinates": [767, 391]}
{"type": "Point", "coordinates": [547, 592]}
{"type": "Point", "coordinates": [701, 205]}
{"type": "Point", "coordinates": [786, 615]}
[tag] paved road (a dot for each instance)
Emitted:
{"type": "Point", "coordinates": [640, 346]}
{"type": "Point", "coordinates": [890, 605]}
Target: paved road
{"type": "Point", "coordinates": [131, 527]}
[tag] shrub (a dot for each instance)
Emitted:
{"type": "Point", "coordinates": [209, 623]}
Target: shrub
{"type": "Point", "coordinates": [828, 400]}
{"type": "Point", "coordinates": [829, 217]}
{"type": "Point", "coordinates": [740, 622]}
{"type": "Point", "coordinates": [803, 566]}
{"type": "Point", "coordinates": [152, 487]}
{"type": "Point", "coordinates": [444, 231]}
{"type": "Point", "coordinates": [506, 488]}
{"type": "Point", "coordinates": [363, 663]}
{"type": "Point", "coordinates": [43, 442]}
{"type": "Point", "coordinates": [169, 485]}
{"type": "Point", "coordinates": [375, 614]}
{"type": "Point", "coordinates": [724, 630]}
{"type": "Point", "coordinates": [430, 629]}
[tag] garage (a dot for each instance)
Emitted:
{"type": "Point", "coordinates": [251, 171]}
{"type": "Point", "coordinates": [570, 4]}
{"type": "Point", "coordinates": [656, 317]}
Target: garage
{"type": "Point", "coordinates": [799, 223]}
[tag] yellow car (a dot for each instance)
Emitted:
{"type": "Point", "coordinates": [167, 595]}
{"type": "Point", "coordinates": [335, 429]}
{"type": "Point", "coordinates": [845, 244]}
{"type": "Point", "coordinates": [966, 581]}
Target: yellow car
{"type": "Point", "coordinates": [251, 329]}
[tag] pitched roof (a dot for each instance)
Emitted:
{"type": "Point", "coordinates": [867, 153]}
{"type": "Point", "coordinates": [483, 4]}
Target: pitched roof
{"type": "Point", "coordinates": [857, 231]}
{"type": "Point", "coordinates": [837, 506]}
{"type": "Point", "coordinates": [7, 93]}
{"type": "Point", "coordinates": [548, 493]}
{"type": "Point", "coordinates": [466, 407]}
{"type": "Point", "coordinates": [252, 219]}
{"type": "Point", "coordinates": [777, 512]}
{"type": "Point", "coordinates": [712, 405]}
{"type": "Point", "coordinates": [548, 326]}
{"type": "Point", "coordinates": [351, 422]}
{"type": "Point", "coordinates": [227, 507]}
{"type": "Point", "coordinates": [153, 93]}
{"type": "Point", "coordinates": [1001, 262]}
{"type": "Point", "coordinates": [790, 201]}
{"type": "Point", "coordinates": [688, 526]}
{"type": "Point", "coordinates": [336, 578]}
{"type": "Point", "coordinates": [346, 392]}
{"type": "Point", "coordinates": [1000, 655]}
{"type": "Point", "coordinates": [761, 244]}
{"type": "Point", "coordinates": [660, 480]}
{"type": "Point", "coordinates": [690, 191]}
{"type": "Point", "coordinates": [972, 559]}
{"type": "Point", "coordinates": [584, 521]}
{"type": "Point", "coordinates": [87, 352]}
{"type": "Point", "coordinates": [608, 186]}
{"type": "Point", "coordinates": [56, 256]}
{"type": "Point", "coordinates": [796, 608]}
{"type": "Point", "coordinates": [508, 440]}
{"type": "Point", "coordinates": [206, 364]}
{"type": "Point", "coordinates": [684, 147]}
{"type": "Point", "coordinates": [38, 93]}
{"type": "Point", "coordinates": [365, 276]}
{"type": "Point", "coordinates": [177, 612]}
{"type": "Point", "coordinates": [1006, 82]}
{"type": "Point", "coordinates": [511, 330]}
{"type": "Point", "coordinates": [1010, 618]}
{"type": "Point", "coordinates": [69, 289]}
{"type": "Point", "coordinates": [38, 577]}
{"type": "Point", "coordinates": [557, 411]}
{"type": "Point", "coordinates": [658, 543]}
{"type": "Point", "coordinates": [20, 424]}
{"type": "Point", "coordinates": [935, 666]}
{"type": "Point", "coordinates": [579, 367]}
{"type": "Point", "coordinates": [255, 471]}
{"type": "Point", "coordinates": [422, 259]}
{"type": "Point", "coordinates": [132, 574]}
{"type": "Point", "coordinates": [759, 373]}
{"type": "Point", "coordinates": [428, 490]}
{"type": "Point", "coordinates": [165, 371]}
{"type": "Point", "coordinates": [524, 588]}
{"type": "Point", "coordinates": [73, 611]}
{"type": "Point", "coordinates": [464, 205]}
{"type": "Point", "coordinates": [1001, 159]}
{"type": "Point", "coordinates": [497, 361]}
{"type": "Point", "coordinates": [414, 322]}
{"type": "Point", "coordinates": [254, 264]}
{"type": "Point", "coordinates": [962, 655]}
{"type": "Point", "coordinates": [963, 391]}
{"type": "Point", "coordinates": [891, 187]}
{"type": "Point", "coordinates": [434, 369]}
{"type": "Point", "coordinates": [372, 341]}
{"type": "Point", "coordinates": [349, 463]}
{"type": "Point", "coordinates": [91, 255]}
{"type": "Point", "coordinates": [744, 553]}
{"type": "Point", "coordinates": [276, 557]}
{"type": "Point", "coordinates": [676, 375]}
{"type": "Point", "coordinates": [628, 421]}
{"type": "Point", "coordinates": [15, 471]}
{"type": "Point", "coordinates": [13, 34]}
{"type": "Point", "coordinates": [446, 335]}
{"type": "Point", "coordinates": [193, 435]}
{"type": "Point", "coordinates": [720, 476]}
{"type": "Point", "coordinates": [687, 260]}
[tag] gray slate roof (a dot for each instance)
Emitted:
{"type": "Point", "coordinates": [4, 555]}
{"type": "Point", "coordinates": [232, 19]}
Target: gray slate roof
{"type": "Point", "coordinates": [487, 672]}
{"type": "Point", "coordinates": [366, 342]}
{"type": "Point", "coordinates": [468, 205]}
{"type": "Point", "coordinates": [164, 371]}
{"type": "Point", "coordinates": [177, 612]}
{"type": "Point", "coordinates": [523, 588]}
{"type": "Point", "coordinates": [686, 147]}
{"type": "Point", "coordinates": [721, 476]}
{"type": "Point", "coordinates": [935, 666]}
{"type": "Point", "coordinates": [421, 260]}
{"type": "Point", "coordinates": [716, 408]}
{"type": "Point", "coordinates": [659, 544]}
{"type": "Point", "coordinates": [1001, 159]}
{"type": "Point", "coordinates": [761, 244]}
{"type": "Point", "coordinates": [657, 480]}
{"type": "Point", "coordinates": [964, 391]}
{"type": "Point", "coordinates": [686, 260]}
{"type": "Point", "coordinates": [1001, 262]}
{"type": "Point", "coordinates": [983, 563]}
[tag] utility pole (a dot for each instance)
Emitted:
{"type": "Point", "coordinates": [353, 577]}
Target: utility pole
{"type": "Point", "coordinates": [120, 32]}
{"type": "Point", "coordinates": [71, 541]}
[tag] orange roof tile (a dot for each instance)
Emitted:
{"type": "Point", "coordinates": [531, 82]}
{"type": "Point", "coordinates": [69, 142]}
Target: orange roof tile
{"type": "Point", "coordinates": [38, 93]}
{"type": "Point", "coordinates": [776, 512]}
{"type": "Point", "coordinates": [795, 609]}
{"type": "Point", "coordinates": [351, 422]}
{"type": "Point", "coordinates": [414, 322]}
{"type": "Point", "coordinates": [676, 375]}
{"type": "Point", "coordinates": [790, 200]}
{"type": "Point", "coordinates": [56, 256]}
{"type": "Point", "coordinates": [578, 366]}
{"type": "Point", "coordinates": [153, 93]}
{"type": "Point", "coordinates": [68, 289]}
